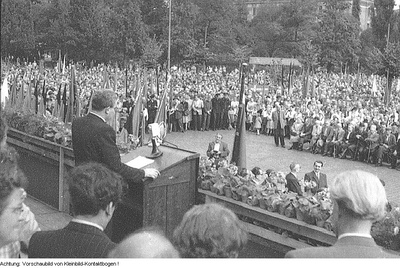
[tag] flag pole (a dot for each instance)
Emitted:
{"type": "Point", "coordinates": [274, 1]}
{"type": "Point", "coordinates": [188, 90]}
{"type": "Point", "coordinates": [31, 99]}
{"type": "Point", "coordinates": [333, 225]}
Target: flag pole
{"type": "Point", "coordinates": [169, 56]}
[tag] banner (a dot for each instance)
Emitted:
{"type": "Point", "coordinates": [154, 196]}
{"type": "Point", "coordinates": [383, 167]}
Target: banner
{"type": "Point", "coordinates": [239, 144]}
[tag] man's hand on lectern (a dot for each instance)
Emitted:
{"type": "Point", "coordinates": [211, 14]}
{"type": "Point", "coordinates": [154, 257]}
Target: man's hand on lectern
{"type": "Point", "coordinates": [151, 173]}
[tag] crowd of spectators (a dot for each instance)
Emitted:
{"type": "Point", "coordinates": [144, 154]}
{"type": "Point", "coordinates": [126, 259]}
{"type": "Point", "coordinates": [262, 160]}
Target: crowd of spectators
{"type": "Point", "coordinates": [334, 118]}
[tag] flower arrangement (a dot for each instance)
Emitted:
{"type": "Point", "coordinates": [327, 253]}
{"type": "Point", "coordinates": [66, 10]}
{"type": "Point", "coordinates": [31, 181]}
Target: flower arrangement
{"type": "Point", "coordinates": [267, 192]}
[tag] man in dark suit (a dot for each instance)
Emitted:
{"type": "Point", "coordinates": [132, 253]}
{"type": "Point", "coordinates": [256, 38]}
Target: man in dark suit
{"type": "Point", "coordinates": [349, 144]}
{"type": "Point", "coordinates": [93, 140]}
{"type": "Point", "coordinates": [387, 144]}
{"type": "Point", "coordinates": [292, 182]}
{"type": "Point", "coordinates": [359, 199]}
{"type": "Point", "coordinates": [152, 106]}
{"type": "Point", "coordinates": [216, 111]}
{"type": "Point", "coordinates": [95, 190]}
{"type": "Point", "coordinates": [279, 124]}
{"type": "Point", "coordinates": [218, 149]}
{"type": "Point", "coordinates": [317, 176]}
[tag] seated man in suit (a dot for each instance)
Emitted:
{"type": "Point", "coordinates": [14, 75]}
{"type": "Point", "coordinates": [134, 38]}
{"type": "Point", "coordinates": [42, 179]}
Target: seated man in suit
{"type": "Point", "coordinates": [95, 190]}
{"type": "Point", "coordinates": [145, 243]}
{"type": "Point", "coordinates": [317, 176]}
{"type": "Point", "coordinates": [292, 182]}
{"type": "Point", "coordinates": [359, 199]}
{"type": "Point", "coordinates": [217, 149]}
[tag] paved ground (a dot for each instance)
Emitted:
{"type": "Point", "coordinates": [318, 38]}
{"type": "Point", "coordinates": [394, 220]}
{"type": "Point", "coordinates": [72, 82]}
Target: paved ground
{"type": "Point", "coordinates": [262, 152]}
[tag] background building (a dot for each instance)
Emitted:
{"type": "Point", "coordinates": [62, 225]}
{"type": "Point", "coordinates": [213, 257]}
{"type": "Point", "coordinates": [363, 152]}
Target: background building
{"type": "Point", "coordinates": [366, 8]}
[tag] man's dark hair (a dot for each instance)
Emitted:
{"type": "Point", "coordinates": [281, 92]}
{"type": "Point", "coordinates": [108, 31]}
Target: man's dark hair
{"type": "Point", "coordinates": [320, 162]}
{"type": "Point", "coordinates": [92, 187]}
{"type": "Point", "coordinates": [103, 99]}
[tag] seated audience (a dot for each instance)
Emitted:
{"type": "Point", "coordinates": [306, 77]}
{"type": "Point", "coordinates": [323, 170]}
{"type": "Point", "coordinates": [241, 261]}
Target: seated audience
{"type": "Point", "coordinates": [359, 199]}
{"type": "Point", "coordinates": [210, 231]}
{"type": "Point", "coordinates": [95, 191]}
{"type": "Point", "coordinates": [145, 243]}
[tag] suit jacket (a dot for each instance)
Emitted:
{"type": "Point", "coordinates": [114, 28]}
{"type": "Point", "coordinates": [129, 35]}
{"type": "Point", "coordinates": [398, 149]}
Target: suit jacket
{"type": "Point", "coordinates": [328, 130]}
{"type": "Point", "coordinates": [293, 184]}
{"type": "Point", "coordinates": [76, 240]}
{"type": "Point", "coordinates": [346, 247]}
{"type": "Point", "coordinates": [321, 182]}
{"type": "Point", "coordinates": [93, 140]}
{"type": "Point", "coordinates": [223, 148]}
{"type": "Point", "coordinates": [281, 118]}
{"type": "Point", "coordinates": [389, 140]}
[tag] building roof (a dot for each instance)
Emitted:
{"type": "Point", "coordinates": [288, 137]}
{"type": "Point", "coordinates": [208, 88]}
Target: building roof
{"type": "Point", "coordinates": [274, 61]}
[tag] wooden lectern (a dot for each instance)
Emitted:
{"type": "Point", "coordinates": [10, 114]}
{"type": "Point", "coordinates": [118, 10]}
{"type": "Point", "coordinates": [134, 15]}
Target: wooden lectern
{"type": "Point", "coordinates": [161, 202]}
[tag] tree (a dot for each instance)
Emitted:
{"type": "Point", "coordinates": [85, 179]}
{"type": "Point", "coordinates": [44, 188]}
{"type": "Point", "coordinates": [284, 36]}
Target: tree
{"type": "Point", "coordinates": [383, 11]}
{"type": "Point", "coordinates": [356, 9]}
{"type": "Point", "coordinates": [17, 31]}
{"type": "Point", "coordinates": [280, 30]}
{"type": "Point", "coordinates": [337, 35]}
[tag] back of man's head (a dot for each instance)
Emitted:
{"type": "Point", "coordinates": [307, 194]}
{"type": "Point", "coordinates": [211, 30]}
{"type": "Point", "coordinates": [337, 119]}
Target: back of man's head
{"type": "Point", "coordinates": [103, 99]}
{"type": "Point", "coordinates": [93, 187]}
{"type": "Point", "coordinates": [145, 243]}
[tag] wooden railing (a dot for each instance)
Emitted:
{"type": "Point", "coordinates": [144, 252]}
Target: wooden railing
{"type": "Point", "coordinates": [260, 235]}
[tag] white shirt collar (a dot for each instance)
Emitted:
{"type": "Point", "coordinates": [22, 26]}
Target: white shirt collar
{"type": "Point", "coordinates": [88, 223]}
{"type": "Point", "coordinates": [354, 234]}
{"type": "Point", "coordinates": [98, 116]}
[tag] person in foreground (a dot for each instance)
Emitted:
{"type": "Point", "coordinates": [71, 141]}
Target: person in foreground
{"type": "Point", "coordinates": [209, 231]}
{"type": "Point", "coordinates": [17, 222]}
{"type": "Point", "coordinates": [95, 190]}
{"type": "Point", "coordinates": [145, 243]}
{"type": "Point", "coordinates": [359, 199]}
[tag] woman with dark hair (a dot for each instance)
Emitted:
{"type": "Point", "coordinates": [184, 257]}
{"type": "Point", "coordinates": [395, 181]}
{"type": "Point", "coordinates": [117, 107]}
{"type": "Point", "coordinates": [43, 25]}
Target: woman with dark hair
{"type": "Point", "coordinates": [210, 231]}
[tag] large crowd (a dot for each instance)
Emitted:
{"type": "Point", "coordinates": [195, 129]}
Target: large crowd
{"type": "Point", "coordinates": [208, 101]}
{"type": "Point", "coordinates": [341, 115]}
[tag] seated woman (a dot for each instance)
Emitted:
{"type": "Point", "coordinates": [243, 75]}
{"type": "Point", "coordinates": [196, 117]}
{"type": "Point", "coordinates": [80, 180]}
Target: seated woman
{"type": "Point", "coordinates": [210, 231]}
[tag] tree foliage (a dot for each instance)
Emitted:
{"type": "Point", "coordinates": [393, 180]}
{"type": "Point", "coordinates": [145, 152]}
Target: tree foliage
{"type": "Point", "coordinates": [324, 33]}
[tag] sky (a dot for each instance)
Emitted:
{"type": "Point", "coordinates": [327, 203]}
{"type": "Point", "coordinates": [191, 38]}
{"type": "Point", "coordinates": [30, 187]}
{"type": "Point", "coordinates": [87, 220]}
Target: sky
{"type": "Point", "coordinates": [397, 4]}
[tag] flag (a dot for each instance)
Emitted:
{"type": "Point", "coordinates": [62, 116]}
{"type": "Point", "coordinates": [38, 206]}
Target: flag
{"type": "Point", "coordinates": [36, 93]}
{"type": "Point", "coordinates": [374, 87]}
{"type": "Point", "coordinates": [161, 115]}
{"type": "Point", "coordinates": [312, 83]}
{"type": "Point", "coordinates": [135, 116]}
{"type": "Point", "coordinates": [4, 92]}
{"type": "Point", "coordinates": [59, 61]}
{"type": "Point", "coordinates": [239, 144]}
{"type": "Point", "coordinates": [21, 96]}
{"type": "Point", "coordinates": [63, 66]}
{"type": "Point", "coordinates": [28, 99]}
{"type": "Point", "coordinates": [115, 81]}
{"type": "Point", "coordinates": [14, 96]}
{"type": "Point", "coordinates": [398, 85]}
{"type": "Point", "coordinates": [64, 104]}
